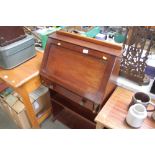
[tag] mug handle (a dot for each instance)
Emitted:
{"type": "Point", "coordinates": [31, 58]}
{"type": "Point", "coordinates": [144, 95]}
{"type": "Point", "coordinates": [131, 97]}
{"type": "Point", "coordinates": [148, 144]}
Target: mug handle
{"type": "Point", "coordinates": [153, 104]}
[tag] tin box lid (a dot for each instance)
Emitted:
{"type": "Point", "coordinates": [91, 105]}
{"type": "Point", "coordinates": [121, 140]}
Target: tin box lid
{"type": "Point", "coordinates": [17, 46]}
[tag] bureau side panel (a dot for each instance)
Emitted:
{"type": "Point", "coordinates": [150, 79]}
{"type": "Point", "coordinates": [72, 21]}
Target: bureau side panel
{"type": "Point", "coordinates": [111, 85]}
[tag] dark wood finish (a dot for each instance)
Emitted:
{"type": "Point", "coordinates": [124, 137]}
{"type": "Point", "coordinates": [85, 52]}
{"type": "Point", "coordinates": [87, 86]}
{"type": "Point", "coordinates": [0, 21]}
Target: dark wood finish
{"type": "Point", "coordinates": [92, 40]}
{"type": "Point", "coordinates": [10, 34]}
{"type": "Point", "coordinates": [113, 77]}
{"type": "Point", "coordinates": [72, 121]}
{"type": "Point", "coordinates": [94, 44]}
{"type": "Point", "coordinates": [69, 104]}
{"type": "Point", "coordinates": [80, 72]}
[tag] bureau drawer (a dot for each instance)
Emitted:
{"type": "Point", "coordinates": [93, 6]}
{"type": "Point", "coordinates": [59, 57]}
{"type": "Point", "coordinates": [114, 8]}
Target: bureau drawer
{"type": "Point", "coordinates": [70, 95]}
{"type": "Point", "coordinates": [82, 50]}
{"type": "Point", "coordinates": [75, 98]}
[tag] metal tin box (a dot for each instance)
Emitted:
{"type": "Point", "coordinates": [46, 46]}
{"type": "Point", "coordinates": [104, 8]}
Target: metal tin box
{"type": "Point", "coordinates": [16, 53]}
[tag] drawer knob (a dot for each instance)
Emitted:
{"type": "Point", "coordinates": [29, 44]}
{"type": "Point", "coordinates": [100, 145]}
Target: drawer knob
{"type": "Point", "coordinates": [82, 102]}
{"type": "Point", "coordinates": [85, 51]}
{"type": "Point", "coordinates": [104, 58]}
{"type": "Point", "coordinates": [58, 44]}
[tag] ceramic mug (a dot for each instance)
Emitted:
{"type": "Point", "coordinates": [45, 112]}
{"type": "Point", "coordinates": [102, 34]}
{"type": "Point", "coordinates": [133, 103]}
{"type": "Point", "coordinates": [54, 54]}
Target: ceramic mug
{"type": "Point", "coordinates": [144, 99]}
{"type": "Point", "coordinates": [136, 115]}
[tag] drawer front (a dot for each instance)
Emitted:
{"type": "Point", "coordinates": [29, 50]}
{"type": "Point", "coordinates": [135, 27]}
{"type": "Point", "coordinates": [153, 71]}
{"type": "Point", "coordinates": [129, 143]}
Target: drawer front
{"type": "Point", "coordinates": [68, 94]}
{"type": "Point", "coordinates": [83, 50]}
{"type": "Point", "coordinates": [75, 98]}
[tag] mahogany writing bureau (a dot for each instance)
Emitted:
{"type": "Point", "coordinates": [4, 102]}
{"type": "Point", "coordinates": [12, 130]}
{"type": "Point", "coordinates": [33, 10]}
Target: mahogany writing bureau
{"type": "Point", "coordinates": [80, 73]}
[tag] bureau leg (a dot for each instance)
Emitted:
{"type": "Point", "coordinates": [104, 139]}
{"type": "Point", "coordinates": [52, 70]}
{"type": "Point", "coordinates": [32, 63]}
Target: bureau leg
{"type": "Point", "coordinates": [56, 110]}
{"type": "Point", "coordinates": [56, 116]}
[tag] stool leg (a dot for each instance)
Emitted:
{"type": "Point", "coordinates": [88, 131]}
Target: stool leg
{"type": "Point", "coordinates": [28, 105]}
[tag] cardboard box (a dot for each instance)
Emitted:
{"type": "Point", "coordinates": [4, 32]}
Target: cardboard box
{"type": "Point", "coordinates": [5, 107]}
{"type": "Point", "coordinates": [20, 98]}
{"type": "Point", "coordinates": [6, 92]}
{"type": "Point", "coordinates": [2, 104]}
{"type": "Point", "coordinates": [16, 111]}
{"type": "Point", "coordinates": [7, 100]}
{"type": "Point", "coordinates": [19, 115]}
{"type": "Point", "coordinates": [11, 100]}
{"type": "Point", "coordinates": [41, 99]}
{"type": "Point", "coordinates": [7, 103]}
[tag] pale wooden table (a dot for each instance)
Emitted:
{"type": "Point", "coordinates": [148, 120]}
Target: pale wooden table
{"type": "Point", "coordinates": [25, 79]}
{"type": "Point", "coordinates": [114, 112]}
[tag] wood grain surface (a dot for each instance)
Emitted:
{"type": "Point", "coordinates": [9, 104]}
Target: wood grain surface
{"type": "Point", "coordinates": [23, 73]}
{"type": "Point", "coordinates": [95, 44]}
{"type": "Point", "coordinates": [115, 110]}
{"type": "Point", "coordinates": [89, 75]}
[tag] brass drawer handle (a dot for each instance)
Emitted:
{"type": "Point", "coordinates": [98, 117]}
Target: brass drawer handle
{"type": "Point", "coordinates": [58, 44]}
{"type": "Point", "coordinates": [104, 58]}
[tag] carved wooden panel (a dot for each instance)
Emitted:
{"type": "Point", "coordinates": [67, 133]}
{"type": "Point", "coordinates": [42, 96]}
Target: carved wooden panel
{"type": "Point", "coordinates": [135, 53]}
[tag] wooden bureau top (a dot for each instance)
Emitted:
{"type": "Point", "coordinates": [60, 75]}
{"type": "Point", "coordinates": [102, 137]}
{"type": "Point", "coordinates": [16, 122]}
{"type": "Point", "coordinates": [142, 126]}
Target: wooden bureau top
{"type": "Point", "coordinates": [21, 74]}
{"type": "Point", "coordinates": [91, 43]}
{"type": "Point", "coordinates": [115, 110]}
